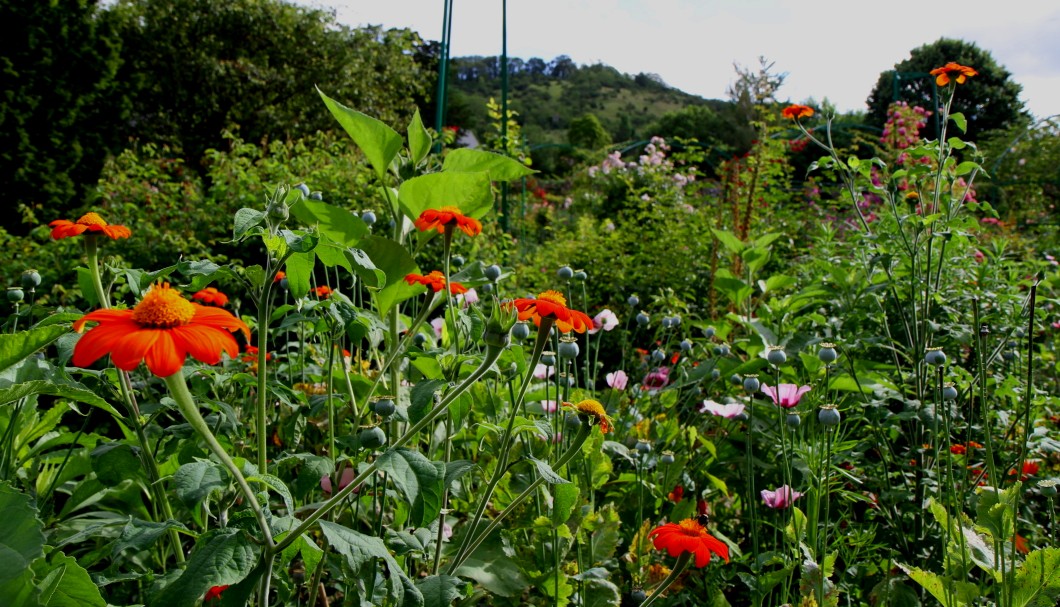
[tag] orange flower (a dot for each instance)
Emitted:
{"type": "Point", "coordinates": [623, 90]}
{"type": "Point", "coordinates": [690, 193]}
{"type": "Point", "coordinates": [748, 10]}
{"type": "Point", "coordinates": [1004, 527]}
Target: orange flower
{"type": "Point", "coordinates": [436, 281]}
{"type": "Point", "coordinates": [89, 222]}
{"type": "Point", "coordinates": [250, 354]}
{"type": "Point", "coordinates": [594, 413]}
{"type": "Point", "coordinates": [162, 330]}
{"type": "Point", "coordinates": [960, 72]}
{"type": "Point", "coordinates": [676, 495]}
{"type": "Point", "coordinates": [796, 111]}
{"type": "Point", "coordinates": [279, 276]}
{"type": "Point", "coordinates": [211, 296]}
{"type": "Point", "coordinates": [323, 291]}
{"type": "Point", "coordinates": [958, 449]}
{"type": "Point", "coordinates": [214, 593]}
{"type": "Point", "coordinates": [1021, 544]}
{"type": "Point", "coordinates": [689, 536]}
{"type": "Point", "coordinates": [551, 304]}
{"type": "Point", "coordinates": [446, 218]}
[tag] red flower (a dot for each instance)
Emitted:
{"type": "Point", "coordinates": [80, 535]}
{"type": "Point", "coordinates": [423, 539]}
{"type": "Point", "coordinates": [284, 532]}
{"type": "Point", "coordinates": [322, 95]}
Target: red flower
{"type": "Point", "coordinates": [960, 72]}
{"type": "Point", "coordinates": [279, 276]}
{"type": "Point", "coordinates": [89, 222]}
{"type": "Point", "coordinates": [958, 449]}
{"type": "Point", "coordinates": [323, 291]}
{"type": "Point", "coordinates": [162, 330]}
{"type": "Point", "coordinates": [446, 218]}
{"type": "Point", "coordinates": [676, 495]}
{"type": "Point", "coordinates": [211, 296]}
{"type": "Point", "coordinates": [214, 593]}
{"type": "Point", "coordinates": [689, 536]}
{"type": "Point", "coordinates": [796, 111]}
{"type": "Point", "coordinates": [436, 281]}
{"type": "Point", "coordinates": [551, 304]}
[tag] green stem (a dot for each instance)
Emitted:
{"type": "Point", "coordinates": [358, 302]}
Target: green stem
{"type": "Point", "coordinates": [261, 411]}
{"type": "Point", "coordinates": [679, 568]}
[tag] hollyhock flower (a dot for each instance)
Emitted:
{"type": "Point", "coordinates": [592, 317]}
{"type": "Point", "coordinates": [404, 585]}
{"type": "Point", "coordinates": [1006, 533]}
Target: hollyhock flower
{"type": "Point", "coordinates": [689, 536]}
{"type": "Point", "coordinates": [728, 411]}
{"type": "Point", "coordinates": [796, 111]}
{"type": "Point", "coordinates": [782, 498]}
{"type": "Point", "coordinates": [89, 222]}
{"type": "Point", "coordinates": [162, 330]}
{"type": "Point", "coordinates": [959, 72]}
{"type": "Point", "coordinates": [605, 320]}
{"type": "Point", "coordinates": [617, 380]}
{"type": "Point", "coordinates": [211, 296]}
{"type": "Point", "coordinates": [448, 218]}
{"type": "Point", "coordinates": [785, 395]}
{"type": "Point", "coordinates": [347, 476]}
{"type": "Point", "coordinates": [593, 413]}
{"type": "Point", "coordinates": [552, 304]}
{"type": "Point", "coordinates": [657, 379]}
{"type": "Point", "coordinates": [436, 281]}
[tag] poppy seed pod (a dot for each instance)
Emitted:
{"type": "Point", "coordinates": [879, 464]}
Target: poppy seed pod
{"type": "Point", "coordinates": [792, 420]}
{"type": "Point", "coordinates": [581, 276]}
{"type": "Point", "coordinates": [492, 272]}
{"type": "Point", "coordinates": [715, 374]}
{"type": "Point", "coordinates": [667, 457]}
{"type": "Point", "coordinates": [708, 332]}
{"type": "Point", "coordinates": [15, 294]}
{"type": "Point", "coordinates": [304, 188]}
{"type": "Point", "coordinates": [457, 261]}
{"type": "Point", "coordinates": [371, 438]}
{"type": "Point", "coordinates": [686, 345]}
{"type": "Point", "coordinates": [751, 384]}
{"type": "Point", "coordinates": [827, 353]}
{"type": "Point", "coordinates": [521, 330]}
{"type": "Point", "coordinates": [548, 359]}
{"type": "Point", "coordinates": [658, 356]}
{"type": "Point", "coordinates": [643, 446]}
{"type": "Point", "coordinates": [30, 280]}
{"type": "Point", "coordinates": [568, 348]}
{"type": "Point", "coordinates": [368, 217]}
{"type": "Point", "coordinates": [776, 356]}
{"type": "Point", "coordinates": [384, 407]}
{"type": "Point", "coordinates": [829, 416]}
{"type": "Point", "coordinates": [666, 322]}
{"type": "Point", "coordinates": [565, 273]}
{"type": "Point", "coordinates": [633, 301]}
{"type": "Point", "coordinates": [935, 356]}
{"type": "Point", "coordinates": [642, 319]}
{"type": "Point", "coordinates": [1048, 487]}
{"type": "Point", "coordinates": [949, 391]}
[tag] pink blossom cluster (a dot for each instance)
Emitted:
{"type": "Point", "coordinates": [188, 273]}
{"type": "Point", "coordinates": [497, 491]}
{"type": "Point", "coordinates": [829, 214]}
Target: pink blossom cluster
{"type": "Point", "coordinates": [654, 158]}
{"type": "Point", "coordinates": [902, 129]}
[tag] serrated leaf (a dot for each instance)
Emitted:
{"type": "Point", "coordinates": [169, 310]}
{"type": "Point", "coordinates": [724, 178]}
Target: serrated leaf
{"type": "Point", "coordinates": [379, 143]}
{"type": "Point", "coordinates": [600, 593]}
{"type": "Point", "coordinates": [359, 549]}
{"type": "Point", "coordinates": [547, 473]}
{"type": "Point", "coordinates": [963, 593]}
{"type": "Point", "coordinates": [420, 479]}
{"type": "Point", "coordinates": [1037, 581]}
{"type": "Point", "coordinates": [113, 463]}
{"type": "Point", "coordinates": [421, 398]}
{"type": "Point", "coordinates": [21, 539]}
{"type": "Point", "coordinates": [440, 590]}
{"type": "Point", "coordinates": [224, 559]}
{"type": "Point", "coordinates": [456, 469]}
{"type": "Point", "coordinates": [499, 168]}
{"type": "Point", "coordinates": [497, 572]}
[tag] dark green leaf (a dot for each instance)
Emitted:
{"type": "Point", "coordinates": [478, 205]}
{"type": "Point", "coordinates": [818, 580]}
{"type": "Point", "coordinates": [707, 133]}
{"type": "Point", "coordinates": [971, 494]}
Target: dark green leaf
{"type": "Point", "coordinates": [421, 398]}
{"type": "Point", "coordinates": [195, 481]}
{"type": "Point", "coordinates": [140, 535]}
{"type": "Point", "coordinates": [420, 479]}
{"type": "Point", "coordinates": [113, 463]}
{"type": "Point", "coordinates": [73, 391]}
{"type": "Point", "coordinates": [14, 347]}
{"type": "Point", "coordinates": [224, 559]}
{"type": "Point", "coordinates": [246, 219]}
{"type": "Point", "coordinates": [21, 540]}
{"type": "Point", "coordinates": [67, 584]}
{"type": "Point", "coordinates": [959, 120]}
{"type": "Point", "coordinates": [565, 498]}
{"type": "Point", "coordinates": [547, 472]}
{"type": "Point", "coordinates": [440, 590]}
{"type": "Point", "coordinates": [276, 485]}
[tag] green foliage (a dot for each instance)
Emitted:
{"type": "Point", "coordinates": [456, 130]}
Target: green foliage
{"type": "Point", "coordinates": [587, 132]}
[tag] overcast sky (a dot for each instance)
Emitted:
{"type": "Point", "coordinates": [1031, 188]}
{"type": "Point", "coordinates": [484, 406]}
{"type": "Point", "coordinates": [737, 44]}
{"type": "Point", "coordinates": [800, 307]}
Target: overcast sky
{"type": "Point", "coordinates": [831, 49]}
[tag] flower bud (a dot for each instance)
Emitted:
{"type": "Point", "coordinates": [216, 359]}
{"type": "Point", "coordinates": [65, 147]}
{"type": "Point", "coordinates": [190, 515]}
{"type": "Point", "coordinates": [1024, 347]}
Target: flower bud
{"type": "Point", "coordinates": [828, 415]}
{"type": "Point", "coordinates": [565, 273]}
{"type": "Point", "coordinates": [568, 348]}
{"type": "Point", "coordinates": [30, 280]}
{"type": "Point", "coordinates": [278, 211]}
{"type": "Point", "coordinates": [935, 356]}
{"type": "Point", "coordinates": [368, 217]}
{"type": "Point", "coordinates": [499, 325]}
{"type": "Point", "coordinates": [827, 353]}
{"type": "Point", "coordinates": [751, 384]}
{"type": "Point", "coordinates": [304, 188]}
{"type": "Point", "coordinates": [316, 196]}
{"type": "Point", "coordinates": [776, 356]}
{"type": "Point", "coordinates": [492, 272]}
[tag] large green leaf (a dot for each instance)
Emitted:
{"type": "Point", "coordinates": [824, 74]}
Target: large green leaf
{"type": "Point", "coordinates": [472, 193]}
{"type": "Point", "coordinates": [72, 390]}
{"type": "Point", "coordinates": [276, 485]}
{"type": "Point", "coordinates": [500, 168]}
{"type": "Point", "coordinates": [336, 223]}
{"type": "Point", "coordinates": [114, 463]}
{"type": "Point", "coordinates": [420, 479]}
{"type": "Point", "coordinates": [396, 263]}
{"type": "Point", "coordinates": [963, 593]}
{"type": "Point", "coordinates": [299, 268]}
{"type": "Point", "coordinates": [224, 559]}
{"type": "Point", "coordinates": [440, 590]}
{"type": "Point", "coordinates": [15, 347]}
{"type": "Point", "coordinates": [1038, 579]}
{"type": "Point", "coordinates": [67, 584]}
{"type": "Point", "coordinates": [379, 142]}
{"type": "Point", "coordinates": [492, 566]}
{"type": "Point", "coordinates": [419, 139]}
{"type": "Point", "coordinates": [601, 593]}
{"type": "Point", "coordinates": [21, 540]}
{"type": "Point", "coordinates": [195, 481]}
{"type": "Point", "coordinates": [565, 498]}
{"type": "Point", "coordinates": [140, 535]}
{"type": "Point", "coordinates": [359, 549]}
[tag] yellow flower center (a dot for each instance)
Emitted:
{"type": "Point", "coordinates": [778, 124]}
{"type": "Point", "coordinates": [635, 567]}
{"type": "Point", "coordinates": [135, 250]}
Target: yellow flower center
{"type": "Point", "coordinates": [92, 219]}
{"type": "Point", "coordinates": [450, 209]}
{"type": "Point", "coordinates": [691, 527]}
{"type": "Point", "coordinates": [554, 297]}
{"type": "Point", "coordinates": [163, 308]}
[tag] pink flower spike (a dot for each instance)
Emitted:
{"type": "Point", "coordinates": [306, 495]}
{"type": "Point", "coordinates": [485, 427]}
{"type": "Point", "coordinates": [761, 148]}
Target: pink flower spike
{"type": "Point", "coordinates": [785, 395]}
{"type": "Point", "coordinates": [727, 411]}
{"type": "Point", "coordinates": [605, 320]}
{"type": "Point", "coordinates": [617, 380]}
{"type": "Point", "coordinates": [782, 498]}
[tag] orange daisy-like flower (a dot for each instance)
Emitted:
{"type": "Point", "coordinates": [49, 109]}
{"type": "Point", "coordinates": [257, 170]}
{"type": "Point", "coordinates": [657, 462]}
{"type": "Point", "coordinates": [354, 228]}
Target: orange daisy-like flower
{"type": "Point", "coordinates": [436, 281]}
{"type": "Point", "coordinates": [441, 219]}
{"type": "Point", "coordinates": [162, 330]}
{"type": "Point", "coordinates": [89, 222]}
{"type": "Point", "coordinates": [279, 276]}
{"type": "Point", "coordinates": [689, 536]}
{"type": "Point", "coordinates": [551, 304]}
{"type": "Point", "coordinates": [211, 296]}
{"type": "Point", "coordinates": [594, 413]}
{"type": "Point", "coordinates": [796, 111]}
{"type": "Point", "coordinates": [323, 291]}
{"type": "Point", "coordinates": [958, 72]}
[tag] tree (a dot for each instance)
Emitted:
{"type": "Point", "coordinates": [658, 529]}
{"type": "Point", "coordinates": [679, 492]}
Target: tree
{"type": "Point", "coordinates": [586, 132]}
{"type": "Point", "coordinates": [61, 108]}
{"type": "Point", "coordinates": [989, 101]}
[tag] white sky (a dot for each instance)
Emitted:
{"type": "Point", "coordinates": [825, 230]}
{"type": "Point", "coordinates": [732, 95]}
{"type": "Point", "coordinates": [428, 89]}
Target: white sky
{"type": "Point", "coordinates": [832, 49]}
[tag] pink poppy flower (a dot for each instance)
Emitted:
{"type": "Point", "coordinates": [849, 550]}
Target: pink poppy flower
{"type": "Point", "coordinates": [657, 379]}
{"type": "Point", "coordinates": [782, 498]}
{"type": "Point", "coordinates": [785, 395]}
{"type": "Point", "coordinates": [727, 411]}
{"type": "Point", "coordinates": [617, 380]}
{"type": "Point", "coordinates": [605, 320]}
{"type": "Point", "coordinates": [543, 372]}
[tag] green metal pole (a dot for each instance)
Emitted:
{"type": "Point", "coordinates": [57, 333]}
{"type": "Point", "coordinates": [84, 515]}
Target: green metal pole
{"type": "Point", "coordinates": [504, 108]}
{"type": "Point", "coordinates": [443, 69]}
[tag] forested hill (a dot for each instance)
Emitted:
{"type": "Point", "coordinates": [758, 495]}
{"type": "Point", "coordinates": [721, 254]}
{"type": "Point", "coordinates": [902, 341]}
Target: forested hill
{"type": "Point", "coordinates": [548, 95]}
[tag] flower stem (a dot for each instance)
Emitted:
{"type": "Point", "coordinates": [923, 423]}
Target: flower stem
{"type": "Point", "coordinates": [679, 568]}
